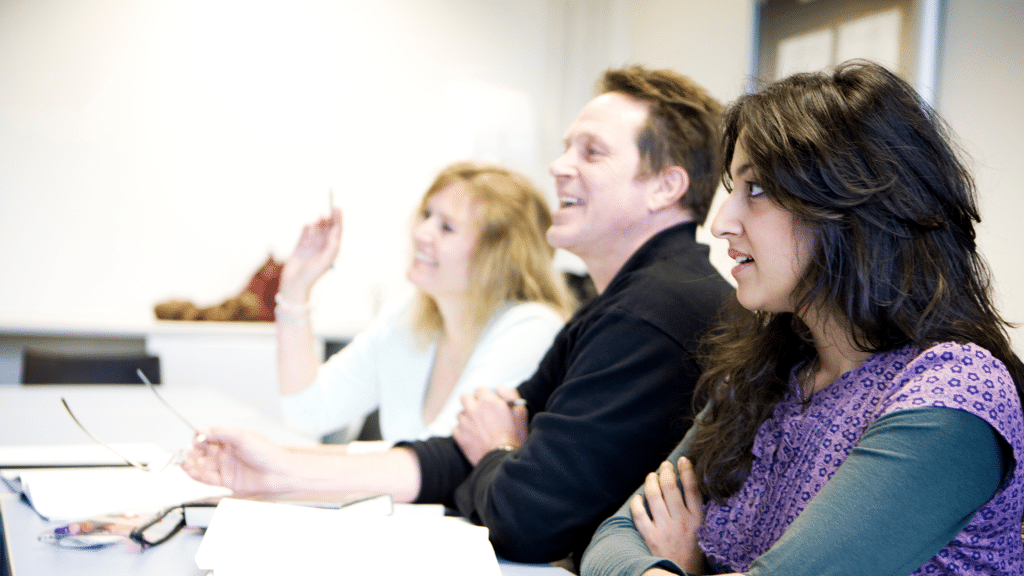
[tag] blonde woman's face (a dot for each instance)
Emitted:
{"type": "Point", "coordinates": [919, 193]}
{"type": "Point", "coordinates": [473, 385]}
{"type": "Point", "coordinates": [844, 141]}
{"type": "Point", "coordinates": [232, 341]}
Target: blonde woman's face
{"type": "Point", "coordinates": [445, 239]}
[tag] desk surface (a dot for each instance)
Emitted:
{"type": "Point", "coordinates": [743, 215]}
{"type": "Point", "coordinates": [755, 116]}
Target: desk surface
{"type": "Point", "coordinates": [27, 556]}
{"type": "Point", "coordinates": [34, 415]}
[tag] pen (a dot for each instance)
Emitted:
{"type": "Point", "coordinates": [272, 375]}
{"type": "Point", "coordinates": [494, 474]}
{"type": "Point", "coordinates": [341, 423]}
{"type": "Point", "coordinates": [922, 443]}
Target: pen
{"type": "Point", "coordinates": [516, 402]}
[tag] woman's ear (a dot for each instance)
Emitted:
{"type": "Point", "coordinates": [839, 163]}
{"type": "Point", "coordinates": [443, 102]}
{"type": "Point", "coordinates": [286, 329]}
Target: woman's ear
{"type": "Point", "coordinates": [673, 183]}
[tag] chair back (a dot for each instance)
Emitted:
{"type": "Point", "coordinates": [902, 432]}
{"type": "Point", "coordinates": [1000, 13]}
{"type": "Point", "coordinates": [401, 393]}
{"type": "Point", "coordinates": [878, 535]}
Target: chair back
{"type": "Point", "coordinates": [42, 367]}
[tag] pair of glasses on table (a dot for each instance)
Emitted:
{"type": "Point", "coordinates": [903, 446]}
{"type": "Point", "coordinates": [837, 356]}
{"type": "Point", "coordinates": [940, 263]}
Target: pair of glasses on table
{"type": "Point", "coordinates": [175, 458]}
{"type": "Point", "coordinates": [102, 532]}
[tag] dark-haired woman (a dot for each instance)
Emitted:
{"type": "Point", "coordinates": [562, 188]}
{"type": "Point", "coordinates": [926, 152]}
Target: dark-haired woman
{"type": "Point", "coordinates": [863, 409]}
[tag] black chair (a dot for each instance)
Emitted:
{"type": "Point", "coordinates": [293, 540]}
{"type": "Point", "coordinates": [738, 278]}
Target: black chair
{"type": "Point", "coordinates": [42, 367]}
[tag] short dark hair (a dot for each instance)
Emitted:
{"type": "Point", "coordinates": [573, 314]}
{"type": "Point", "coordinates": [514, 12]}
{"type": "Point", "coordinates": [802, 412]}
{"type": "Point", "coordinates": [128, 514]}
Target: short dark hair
{"type": "Point", "coordinates": [682, 129]}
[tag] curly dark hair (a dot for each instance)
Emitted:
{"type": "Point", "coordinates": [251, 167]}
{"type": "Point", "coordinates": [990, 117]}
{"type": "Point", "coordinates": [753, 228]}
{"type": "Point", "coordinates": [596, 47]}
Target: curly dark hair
{"type": "Point", "coordinates": [858, 156]}
{"type": "Point", "coordinates": [683, 129]}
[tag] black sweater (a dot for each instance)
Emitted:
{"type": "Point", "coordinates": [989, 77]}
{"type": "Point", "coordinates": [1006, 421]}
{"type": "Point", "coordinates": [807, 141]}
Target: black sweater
{"type": "Point", "coordinates": [610, 399]}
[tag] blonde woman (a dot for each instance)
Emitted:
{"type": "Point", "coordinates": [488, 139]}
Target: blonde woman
{"type": "Point", "coordinates": [487, 305]}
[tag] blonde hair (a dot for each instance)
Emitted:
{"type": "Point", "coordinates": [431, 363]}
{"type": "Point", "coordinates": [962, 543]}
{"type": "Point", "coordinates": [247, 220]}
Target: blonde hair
{"type": "Point", "coordinates": [513, 260]}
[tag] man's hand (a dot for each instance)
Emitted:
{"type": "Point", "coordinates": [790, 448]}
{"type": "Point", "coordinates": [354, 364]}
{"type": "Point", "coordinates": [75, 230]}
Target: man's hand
{"type": "Point", "coordinates": [242, 460]}
{"type": "Point", "coordinates": [488, 422]}
{"type": "Point", "coordinates": [670, 530]}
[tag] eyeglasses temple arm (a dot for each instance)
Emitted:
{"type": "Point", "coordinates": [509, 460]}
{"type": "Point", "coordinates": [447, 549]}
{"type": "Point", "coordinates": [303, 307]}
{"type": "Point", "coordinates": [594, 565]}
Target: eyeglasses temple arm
{"type": "Point", "coordinates": [98, 441]}
{"type": "Point", "coordinates": [159, 397]}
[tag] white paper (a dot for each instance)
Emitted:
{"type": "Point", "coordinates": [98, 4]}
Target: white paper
{"type": "Point", "coordinates": [258, 538]}
{"type": "Point", "coordinates": [73, 494]}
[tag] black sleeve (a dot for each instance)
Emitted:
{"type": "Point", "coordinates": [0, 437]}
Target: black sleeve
{"type": "Point", "coordinates": [442, 468]}
{"type": "Point", "coordinates": [613, 417]}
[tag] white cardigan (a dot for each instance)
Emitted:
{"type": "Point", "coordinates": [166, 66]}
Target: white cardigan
{"type": "Point", "coordinates": [383, 367]}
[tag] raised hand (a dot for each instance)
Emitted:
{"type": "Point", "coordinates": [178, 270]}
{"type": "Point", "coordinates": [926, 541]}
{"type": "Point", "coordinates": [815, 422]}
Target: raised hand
{"type": "Point", "coordinates": [670, 530]}
{"type": "Point", "coordinates": [313, 255]}
{"type": "Point", "coordinates": [487, 422]}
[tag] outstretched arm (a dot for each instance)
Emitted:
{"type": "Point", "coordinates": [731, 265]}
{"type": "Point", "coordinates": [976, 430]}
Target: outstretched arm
{"type": "Point", "coordinates": [246, 461]}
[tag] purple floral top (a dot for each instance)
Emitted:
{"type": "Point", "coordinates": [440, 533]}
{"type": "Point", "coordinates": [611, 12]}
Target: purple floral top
{"type": "Point", "coordinates": [801, 446]}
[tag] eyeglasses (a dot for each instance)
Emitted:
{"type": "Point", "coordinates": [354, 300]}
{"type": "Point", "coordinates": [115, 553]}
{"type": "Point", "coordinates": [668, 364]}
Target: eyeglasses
{"type": "Point", "coordinates": [161, 528]}
{"type": "Point", "coordinates": [175, 458]}
{"type": "Point", "coordinates": [100, 533]}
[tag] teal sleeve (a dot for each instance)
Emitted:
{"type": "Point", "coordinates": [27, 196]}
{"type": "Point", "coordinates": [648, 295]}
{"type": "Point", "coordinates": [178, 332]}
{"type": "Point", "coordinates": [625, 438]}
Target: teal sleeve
{"type": "Point", "coordinates": [912, 484]}
{"type": "Point", "coordinates": [909, 487]}
{"type": "Point", "coordinates": [617, 549]}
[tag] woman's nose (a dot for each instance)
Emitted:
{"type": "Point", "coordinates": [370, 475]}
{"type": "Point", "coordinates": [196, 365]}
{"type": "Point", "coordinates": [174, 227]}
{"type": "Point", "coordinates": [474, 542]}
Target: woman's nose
{"type": "Point", "coordinates": [726, 223]}
{"type": "Point", "coordinates": [421, 232]}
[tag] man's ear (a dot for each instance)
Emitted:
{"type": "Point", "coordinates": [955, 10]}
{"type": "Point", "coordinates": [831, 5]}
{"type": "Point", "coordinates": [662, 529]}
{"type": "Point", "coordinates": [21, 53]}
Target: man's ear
{"type": "Point", "coordinates": [672, 184]}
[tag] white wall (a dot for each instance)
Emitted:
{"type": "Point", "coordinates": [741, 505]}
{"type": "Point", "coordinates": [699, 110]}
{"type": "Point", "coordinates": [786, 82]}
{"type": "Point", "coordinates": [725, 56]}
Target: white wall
{"type": "Point", "coordinates": [153, 149]}
{"type": "Point", "coordinates": [712, 43]}
{"type": "Point", "coordinates": [981, 95]}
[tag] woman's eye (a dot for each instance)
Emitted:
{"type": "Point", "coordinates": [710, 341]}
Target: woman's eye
{"type": "Point", "coordinates": [755, 190]}
{"type": "Point", "coordinates": [425, 215]}
{"type": "Point", "coordinates": [447, 227]}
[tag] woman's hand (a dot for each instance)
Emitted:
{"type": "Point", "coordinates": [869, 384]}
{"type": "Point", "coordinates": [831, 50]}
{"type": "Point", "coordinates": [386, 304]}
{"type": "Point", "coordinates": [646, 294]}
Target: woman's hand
{"type": "Point", "coordinates": [487, 422]}
{"type": "Point", "coordinates": [313, 256]}
{"type": "Point", "coordinates": [670, 530]}
{"type": "Point", "coordinates": [242, 460]}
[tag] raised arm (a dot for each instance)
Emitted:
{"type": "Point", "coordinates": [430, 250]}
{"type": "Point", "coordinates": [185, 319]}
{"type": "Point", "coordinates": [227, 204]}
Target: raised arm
{"type": "Point", "coordinates": [316, 250]}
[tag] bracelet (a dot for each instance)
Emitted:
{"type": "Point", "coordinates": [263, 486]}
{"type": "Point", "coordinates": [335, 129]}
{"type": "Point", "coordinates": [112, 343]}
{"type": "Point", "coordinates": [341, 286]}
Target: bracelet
{"type": "Point", "coordinates": [292, 307]}
{"type": "Point", "coordinates": [290, 312]}
{"type": "Point", "coordinates": [506, 448]}
{"type": "Point", "coordinates": [291, 320]}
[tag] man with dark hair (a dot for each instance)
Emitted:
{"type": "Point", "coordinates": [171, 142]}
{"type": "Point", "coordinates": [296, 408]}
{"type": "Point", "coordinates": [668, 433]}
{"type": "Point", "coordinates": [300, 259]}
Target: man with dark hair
{"type": "Point", "coordinates": [613, 394]}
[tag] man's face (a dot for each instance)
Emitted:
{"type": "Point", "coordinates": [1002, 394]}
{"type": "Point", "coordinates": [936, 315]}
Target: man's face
{"type": "Point", "coordinates": [601, 203]}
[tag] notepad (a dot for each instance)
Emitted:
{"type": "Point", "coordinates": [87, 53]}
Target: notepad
{"type": "Point", "coordinates": [258, 538]}
{"type": "Point", "coordinates": [72, 494]}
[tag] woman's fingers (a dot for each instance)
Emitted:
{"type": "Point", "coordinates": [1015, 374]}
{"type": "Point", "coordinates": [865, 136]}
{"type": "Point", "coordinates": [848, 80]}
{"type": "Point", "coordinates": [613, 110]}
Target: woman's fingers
{"type": "Point", "coordinates": [694, 500]}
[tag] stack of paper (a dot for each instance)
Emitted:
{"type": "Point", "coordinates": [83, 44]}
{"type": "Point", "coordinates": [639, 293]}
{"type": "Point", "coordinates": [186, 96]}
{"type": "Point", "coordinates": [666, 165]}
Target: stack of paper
{"type": "Point", "coordinates": [258, 538]}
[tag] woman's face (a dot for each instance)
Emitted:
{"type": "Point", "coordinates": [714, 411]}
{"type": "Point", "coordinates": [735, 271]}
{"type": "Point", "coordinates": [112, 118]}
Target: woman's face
{"type": "Point", "coordinates": [445, 239]}
{"type": "Point", "coordinates": [770, 245]}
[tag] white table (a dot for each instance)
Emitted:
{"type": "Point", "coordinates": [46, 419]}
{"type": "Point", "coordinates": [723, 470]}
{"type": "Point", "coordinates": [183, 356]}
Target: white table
{"type": "Point", "coordinates": [34, 415]}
